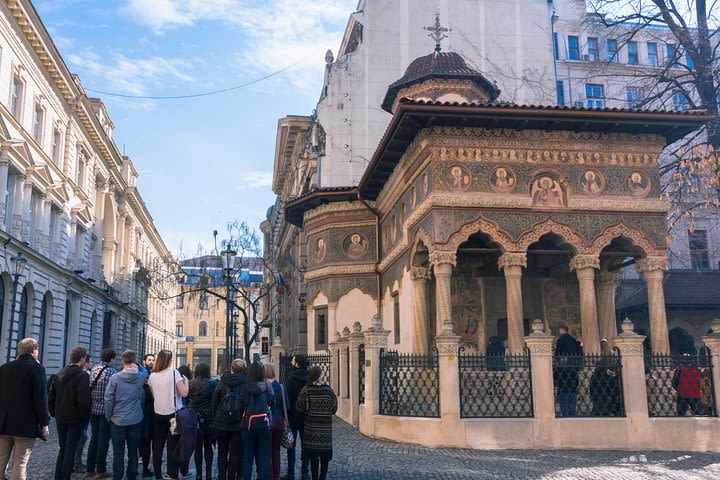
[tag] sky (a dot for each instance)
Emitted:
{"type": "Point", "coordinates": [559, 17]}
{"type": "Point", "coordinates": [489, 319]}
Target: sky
{"type": "Point", "coordinates": [206, 161]}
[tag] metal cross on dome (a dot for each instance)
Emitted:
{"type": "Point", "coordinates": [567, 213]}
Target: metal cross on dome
{"type": "Point", "coordinates": [437, 32]}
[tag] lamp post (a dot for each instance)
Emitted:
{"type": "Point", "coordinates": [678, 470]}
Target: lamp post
{"type": "Point", "coordinates": [19, 262]}
{"type": "Point", "coordinates": [143, 340]}
{"type": "Point", "coordinates": [228, 263]}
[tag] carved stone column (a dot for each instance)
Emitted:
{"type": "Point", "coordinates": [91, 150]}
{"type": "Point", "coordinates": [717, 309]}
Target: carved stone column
{"type": "Point", "coordinates": [4, 173]}
{"type": "Point", "coordinates": [540, 345]}
{"type": "Point", "coordinates": [652, 269]}
{"type": "Point", "coordinates": [39, 233]}
{"type": "Point", "coordinates": [512, 264]}
{"type": "Point", "coordinates": [355, 339]}
{"type": "Point", "coordinates": [443, 263]}
{"type": "Point", "coordinates": [17, 213]}
{"type": "Point", "coordinates": [584, 266]}
{"type": "Point", "coordinates": [449, 381]}
{"type": "Point", "coordinates": [607, 281]}
{"type": "Point", "coordinates": [334, 348]}
{"type": "Point", "coordinates": [344, 370]}
{"type": "Point", "coordinates": [712, 342]}
{"type": "Point", "coordinates": [420, 277]}
{"type": "Point", "coordinates": [634, 385]}
{"type": "Point", "coordinates": [376, 338]}
{"type": "Point", "coordinates": [119, 254]}
{"type": "Point", "coordinates": [332, 317]}
{"type": "Point", "coordinates": [26, 207]}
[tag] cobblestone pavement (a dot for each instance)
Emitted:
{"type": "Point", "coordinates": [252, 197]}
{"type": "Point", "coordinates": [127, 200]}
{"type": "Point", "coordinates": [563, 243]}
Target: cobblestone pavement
{"type": "Point", "coordinates": [359, 458]}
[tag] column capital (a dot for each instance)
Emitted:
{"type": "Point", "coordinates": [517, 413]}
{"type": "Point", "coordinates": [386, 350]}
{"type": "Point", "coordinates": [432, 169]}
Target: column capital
{"type": "Point", "coordinates": [420, 273]}
{"type": "Point", "coordinates": [652, 264]}
{"type": "Point", "coordinates": [332, 306]}
{"type": "Point", "coordinates": [607, 280]}
{"type": "Point", "coordinates": [376, 336]}
{"type": "Point", "coordinates": [512, 259]}
{"type": "Point", "coordinates": [356, 338]}
{"type": "Point", "coordinates": [582, 262]}
{"type": "Point", "coordinates": [440, 257]}
{"type": "Point", "coordinates": [448, 344]}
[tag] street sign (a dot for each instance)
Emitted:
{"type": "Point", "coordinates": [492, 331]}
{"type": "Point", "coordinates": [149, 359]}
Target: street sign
{"type": "Point", "coordinates": [265, 342]}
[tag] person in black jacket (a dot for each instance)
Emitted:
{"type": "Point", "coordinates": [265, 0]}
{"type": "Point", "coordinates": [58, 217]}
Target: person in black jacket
{"type": "Point", "coordinates": [200, 402]}
{"type": "Point", "coordinates": [295, 382]}
{"type": "Point", "coordinates": [568, 363]}
{"type": "Point", "coordinates": [146, 430]}
{"type": "Point", "coordinates": [227, 416]}
{"type": "Point", "coordinates": [69, 403]}
{"type": "Point", "coordinates": [23, 408]}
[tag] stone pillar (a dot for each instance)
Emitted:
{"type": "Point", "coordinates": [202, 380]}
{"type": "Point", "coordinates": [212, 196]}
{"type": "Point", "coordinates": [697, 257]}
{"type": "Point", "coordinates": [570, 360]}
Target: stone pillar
{"type": "Point", "coordinates": [652, 269]}
{"type": "Point", "coordinates": [376, 339]}
{"type": "Point", "coordinates": [119, 254]}
{"type": "Point", "coordinates": [512, 264]}
{"type": "Point", "coordinates": [449, 381]}
{"type": "Point", "coordinates": [39, 233]}
{"type": "Point", "coordinates": [276, 350]}
{"type": "Point", "coordinates": [443, 263]}
{"type": "Point", "coordinates": [540, 345]}
{"type": "Point", "coordinates": [634, 385]}
{"type": "Point", "coordinates": [47, 214]}
{"type": "Point", "coordinates": [355, 339]}
{"type": "Point", "coordinates": [607, 281]}
{"type": "Point", "coordinates": [4, 173]}
{"type": "Point", "coordinates": [108, 257]}
{"type": "Point", "coordinates": [26, 206]}
{"type": "Point", "coordinates": [712, 342]}
{"type": "Point", "coordinates": [18, 202]}
{"type": "Point", "coordinates": [343, 374]}
{"type": "Point", "coordinates": [584, 266]}
{"type": "Point", "coordinates": [332, 317]}
{"type": "Point", "coordinates": [334, 379]}
{"type": "Point", "coordinates": [420, 277]}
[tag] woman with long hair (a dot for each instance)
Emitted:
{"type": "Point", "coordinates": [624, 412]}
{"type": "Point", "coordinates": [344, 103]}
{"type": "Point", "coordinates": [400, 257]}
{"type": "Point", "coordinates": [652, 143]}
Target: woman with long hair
{"type": "Point", "coordinates": [319, 403]}
{"type": "Point", "coordinates": [278, 424]}
{"type": "Point", "coordinates": [257, 398]}
{"type": "Point", "coordinates": [200, 402]}
{"type": "Point", "coordinates": [168, 388]}
{"type": "Point", "coordinates": [227, 412]}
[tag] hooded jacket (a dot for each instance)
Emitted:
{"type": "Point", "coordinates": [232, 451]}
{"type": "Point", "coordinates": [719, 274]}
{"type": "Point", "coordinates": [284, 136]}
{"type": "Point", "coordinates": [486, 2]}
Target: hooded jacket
{"type": "Point", "coordinates": [124, 397]}
{"type": "Point", "coordinates": [262, 391]}
{"type": "Point", "coordinates": [221, 421]}
{"type": "Point", "coordinates": [295, 382]}
{"type": "Point", "coordinates": [69, 400]}
{"type": "Point", "coordinates": [23, 398]}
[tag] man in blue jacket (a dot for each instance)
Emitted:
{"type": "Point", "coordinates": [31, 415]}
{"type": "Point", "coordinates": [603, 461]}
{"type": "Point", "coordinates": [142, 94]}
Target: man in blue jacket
{"type": "Point", "coordinates": [124, 410]}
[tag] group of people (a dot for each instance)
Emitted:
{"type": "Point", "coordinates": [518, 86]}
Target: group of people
{"type": "Point", "coordinates": [151, 409]}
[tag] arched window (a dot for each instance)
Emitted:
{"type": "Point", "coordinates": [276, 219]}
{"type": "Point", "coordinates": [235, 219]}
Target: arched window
{"type": "Point", "coordinates": [179, 328]}
{"type": "Point", "coordinates": [44, 307]}
{"type": "Point", "coordinates": [23, 313]}
{"type": "Point", "coordinates": [202, 329]}
{"type": "Point", "coordinates": [67, 332]}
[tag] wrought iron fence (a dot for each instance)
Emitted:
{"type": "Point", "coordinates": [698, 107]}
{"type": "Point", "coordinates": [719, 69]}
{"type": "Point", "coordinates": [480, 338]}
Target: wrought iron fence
{"type": "Point", "coordinates": [284, 368]}
{"type": "Point", "coordinates": [588, 385]}
{"type": "Point", "coordinates": [495, 386]}
{"type": "Point", "coordinates": [361, 372]}
{"type": "Point", "coordinates": [680, 385]}
{"type": "Point", "coordinates": [324, 361]}
{"type": "Point", "coordinates": [409, 384]}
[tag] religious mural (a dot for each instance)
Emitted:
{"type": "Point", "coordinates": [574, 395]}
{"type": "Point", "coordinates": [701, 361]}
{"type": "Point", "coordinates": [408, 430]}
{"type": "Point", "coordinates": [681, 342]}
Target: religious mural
{"type": "Point", "coordinates": [424, 185]}
{"type": "Point", "coordinates": [503, 179]}
{"type": "Point", "coordinates": [548, 192]}
{"type": "Point", "coordinates": [355, 245]}
{"type": "Point", "coordinates": [457, 177]}
{"type": "Point", "coordinates": [319, 250]}
{"type": "Point", "coordinates": [592, 182]}
{"type": "Point", "coordinates": [637, 183]}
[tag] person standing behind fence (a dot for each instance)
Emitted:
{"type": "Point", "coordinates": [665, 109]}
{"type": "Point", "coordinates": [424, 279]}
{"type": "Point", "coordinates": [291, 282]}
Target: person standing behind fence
{"type": "Point", "coordinates": [319, 403]}
{"type": "Point", "coordinates": [99, 426]}
{"type": "Point", "coordinates": [200, 402]}
{"type": "Point", "coordinates": [69, 402]}
{"type": "Point", "coordinates": [257, 398]}
{"type": "Point", "coordinates": [146, 431]}
{"type": "Point", "coordinates": [278, 424]}
{"type": "Point", "coordinates": [295, 382]}
{"type": "Point", "coordinates": [227, 417]}
{"type": "Point", "coordinates": [687, 381]}
{"type": "Point", "coordinates": [168, 388]}
{"type": "Point", "coordinates": [123, 409]}
{"type": "Point", "coordinates": [23, 408]}
{"type": "Point", "coordinates": [565, 374]}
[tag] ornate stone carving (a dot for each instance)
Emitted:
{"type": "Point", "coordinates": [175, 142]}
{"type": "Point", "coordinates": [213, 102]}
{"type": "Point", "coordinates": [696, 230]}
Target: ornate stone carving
{"type": "Point", "coordinates": [447, 349]}
{"type": "Point", "coordinates": [607, 280]}
{"type": "Point", "coordinates": [627, 327]}
{"type": "Point", "coordinates": [551, 226]}
{"type": "Point", "coordinates": [623, 230]}
{"type": "Point", "coordinates": [480, 225]}
{"type": "Point", "coordinates": [439, 257]}
{"type": "Point", "coordinates": [512, 259]}
{"type": "Point", "coordinates": [581, 262]}
{"type": "Point", "coordinates": [420, 273]}
{"type": "Point", "coordinates": [634, 349]}
{"type": "Point", "coordinates": [540, 346]}
{"type": "Point", "coordinates": [339, 270]}
{"type": "Point", "coordinates": [651, 264]}
{"type": "Point", "coordinates": [346, 332]}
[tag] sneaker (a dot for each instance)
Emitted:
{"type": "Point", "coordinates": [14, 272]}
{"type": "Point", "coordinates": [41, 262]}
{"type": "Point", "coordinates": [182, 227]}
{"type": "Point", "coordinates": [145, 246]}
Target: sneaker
{"type": "Point", "coordinates": [104, 475]}
{"type": "Point", "coordinates": [147, 474]}
{"type": "Point", "coordinates": [89, 474]}
{"type": "Point", "coordinates": [79, 469]}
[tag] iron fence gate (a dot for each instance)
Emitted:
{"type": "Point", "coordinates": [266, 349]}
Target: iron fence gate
{"type": "Point", "coordinates": [409, 384]}
{"type": "Point", "coordinates": [284, 368]}
{"type": "Point", "coordinates": [361, 372]}
{"type": "Point", "coordinates": [588, 385]}
{"type": "Point", "coordinates": [680, 385]}
{"type": "Point", "coordinates": [323, 361]}
{"type": "Point", "coordinates": [495, 386]}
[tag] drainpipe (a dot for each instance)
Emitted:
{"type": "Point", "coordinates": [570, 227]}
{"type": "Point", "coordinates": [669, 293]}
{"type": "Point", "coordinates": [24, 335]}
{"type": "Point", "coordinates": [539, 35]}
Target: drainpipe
{"type": "Point", "coordinates": [377, 251]}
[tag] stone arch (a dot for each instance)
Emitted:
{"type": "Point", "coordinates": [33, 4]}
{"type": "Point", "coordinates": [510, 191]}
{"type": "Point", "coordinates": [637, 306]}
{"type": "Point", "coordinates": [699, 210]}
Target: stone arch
{"type": "Point", "coordinates": [622, 230]}
{"type": "Point", "coordinates": [319, 298]}
{"type": "Point", "coordinates": [681, 340]}
{"type": "Point", "coordinates": [420, 250]}
{"type": "Point", "coordinates": [109, 217]}
{"type": "Point", "coordinates": [352, 306]}
{"type": "Point", "coordinates": [550, 226]}
{"type": "Point", "coordinates": [481, 225]}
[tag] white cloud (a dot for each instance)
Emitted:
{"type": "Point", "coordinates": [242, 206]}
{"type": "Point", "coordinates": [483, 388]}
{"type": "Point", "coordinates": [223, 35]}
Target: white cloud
{"type": "Point", "coordinates": [249, 180]}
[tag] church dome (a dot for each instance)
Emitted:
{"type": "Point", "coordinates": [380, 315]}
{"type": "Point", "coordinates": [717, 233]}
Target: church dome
{"type": "Point", "coordinates": [440, 66]}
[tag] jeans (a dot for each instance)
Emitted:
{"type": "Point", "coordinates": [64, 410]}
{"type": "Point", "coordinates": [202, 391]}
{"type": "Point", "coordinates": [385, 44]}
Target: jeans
{"type": "Point", "coordinates": [145, 450]}
{"type": "Point", "coordinates": [125, 436]}
{"type": "Point", "coordinates": [229, 445]}
{"type": "Point", "coordinates": [568, 403]}
{"type": "Point", "coordinates": [319, 465]}
{"type": "Point", "coordinates": [204, 449]}
{"type": "Point", "coordinates": [68, 438]}
{"type": "Point", "coordinates": [298, 433]}
{"type": "Point", "coordinates": [256, 446]}
{"type": "Point", "coordinates": [99, 444]}
{"type": "Point", "coordinates": [20, 449]}
{"type": "Point", "coordinates": [161, 435]}
{"type": "Point", "coordinates": [81, 446]}
{"type": "Point", "coordinates": [683, 404]}
{"type": "Point", "coordinates": [277, 431]}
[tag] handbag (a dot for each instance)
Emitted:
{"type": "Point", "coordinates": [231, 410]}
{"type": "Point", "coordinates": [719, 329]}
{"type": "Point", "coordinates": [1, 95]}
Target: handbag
{"type": "Point", "coordinates": [287, 439]}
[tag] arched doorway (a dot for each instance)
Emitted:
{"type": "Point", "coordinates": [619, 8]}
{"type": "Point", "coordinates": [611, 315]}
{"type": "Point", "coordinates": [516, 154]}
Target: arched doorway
{"type": "Point", "coordinates": [25, 302]}
{"type": "Point", "coordinates": [66, 332]}
{"type": "Point", "coordinates": [45, 307]}
{"type": "Point", "coordinates": [681, 342]}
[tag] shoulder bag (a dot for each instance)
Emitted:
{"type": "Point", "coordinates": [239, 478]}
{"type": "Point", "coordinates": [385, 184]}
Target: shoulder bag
{"type": "Point", "coordinates": [97, 379]}
{"type": "Point", "coordinates": [287, 439]}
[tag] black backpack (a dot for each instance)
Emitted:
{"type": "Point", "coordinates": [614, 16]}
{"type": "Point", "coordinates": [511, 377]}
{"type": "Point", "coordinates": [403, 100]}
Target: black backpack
{"type": "Point", "coordinates": [230, 406]}
{"type": "Point", "coordinates": [257, 415]}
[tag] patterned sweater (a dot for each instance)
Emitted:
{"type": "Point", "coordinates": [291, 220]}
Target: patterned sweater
{"type": "Point", "coordinates": [319, 403]}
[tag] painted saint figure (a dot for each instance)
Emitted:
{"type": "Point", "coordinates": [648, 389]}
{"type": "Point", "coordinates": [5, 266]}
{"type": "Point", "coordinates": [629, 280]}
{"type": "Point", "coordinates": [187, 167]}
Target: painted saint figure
{"type": "Point", "coordinates": [320, 250]}
{"type": "Point", "coordinates": [547, 192]}
{"type": "Point", "coordinates": [457, 178]}
{"type": "Point", "coordinates": [591, 182]}
{"type": "Point", "coordinates": [355, 245]}
{"type": "Point", "coordinates": [637, 184]}
{"type": "Point", "coordinates": [503, 179]}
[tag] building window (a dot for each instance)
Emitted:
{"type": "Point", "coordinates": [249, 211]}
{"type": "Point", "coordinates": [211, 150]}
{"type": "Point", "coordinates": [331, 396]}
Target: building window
{"type": "Point", "coordinates": [180, 358]}
{"type": "Point", "coordinates": [23, 313]}
{"type": "Point", "coordinates": [555, 46]}
{"type": "Point", "coordinates": [680, 102]}
{"type": "Point", "coordinates": [573, 48]}
{"type": "Point", "coordinates": [635, 96]}
{"type": "Point", "coordinates": [670, 52]}
{"type": "Point", "coordinates": [560, 93]}
{"type": "Point", "coordinates": [38, 124]}
{"type": "Point", "coordinates": [201, 355]}
{"type": "Point", "coordinates": [81, 161]}
{"type": "Point", "coordinates": [595, 94]}
{"type": "Point", "coordinates": [202, 329]}
{"type": "Point", "coordinates": [203, 302]}
{"type": "Point", "coordinates": [593, 50]}
{"type": "Point", "coordinates": [16, 97]}
{"type": "Point", "coordinates": [632, 53]}
{"type": "Point", "coordinates": [179, 328]}
{"type": "Point", "coordinates": [698, 250]}
{"type": "Point", "coordinates": [688, 61]}
{"type": "Point", "coordinates": [57, 139]}
{"type": "Point", "coordinates": [652, 54]}
{"type": "Point", "coordinates": [321, 328]}
{"type": "Point", "coordinates": [180, 301]}
{"type": "Point", "coordinates": [44, 307]}
{"type": "Point", "coordinates": [396, 317]}
{"type": "Point", "coordinates": [612, 50]}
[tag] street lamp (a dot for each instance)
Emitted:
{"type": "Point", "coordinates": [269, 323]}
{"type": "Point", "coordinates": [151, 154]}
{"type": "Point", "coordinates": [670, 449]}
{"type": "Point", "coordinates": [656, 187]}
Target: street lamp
{"type": "Point", "coordinates": [19, 262]}
{"type": "Point", "coordinates": [228, 264]}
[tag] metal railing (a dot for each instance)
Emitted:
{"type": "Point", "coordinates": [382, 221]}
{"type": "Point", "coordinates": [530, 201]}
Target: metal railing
{"type": "Point", "coordinates": [409, 384]}
{"type": "Point", "coordinates": [323, 360]}
{"type": "Point", "coordinates": [361, 372]}
{"type": "Point", "coordinates": [495, 386]}
{"type": "Point", "coordinates": [680, 385]}
{"type": "Point", "coordinates": [284, 368]}
{"type": "Point", "coordinates": [588, 385]}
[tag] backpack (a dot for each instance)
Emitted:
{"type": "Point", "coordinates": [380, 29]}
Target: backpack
{"type": "Point", "coordinates": [230, 406]}
{"type": "Point", "coordinates": [257, 415]}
